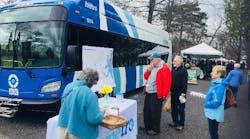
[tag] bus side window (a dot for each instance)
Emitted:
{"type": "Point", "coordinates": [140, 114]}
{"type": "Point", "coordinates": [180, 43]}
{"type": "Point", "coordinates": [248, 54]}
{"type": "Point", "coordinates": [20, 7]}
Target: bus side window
{"type": "Point", "coordinates": [35, 55]}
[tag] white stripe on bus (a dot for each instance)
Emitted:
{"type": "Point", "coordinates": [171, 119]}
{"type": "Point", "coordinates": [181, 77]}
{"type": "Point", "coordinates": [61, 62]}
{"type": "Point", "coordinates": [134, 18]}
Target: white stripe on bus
{"type": "Point", "coordinates": [123, 79]}
{"type": "Point", "coordinates": [103, 19]}
{"type": "Point", "coordinates": [138, 76]}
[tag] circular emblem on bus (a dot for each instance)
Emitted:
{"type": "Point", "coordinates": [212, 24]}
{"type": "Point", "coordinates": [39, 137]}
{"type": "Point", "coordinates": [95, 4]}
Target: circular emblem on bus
{"type": "Point", "coordinates": [13, 81]}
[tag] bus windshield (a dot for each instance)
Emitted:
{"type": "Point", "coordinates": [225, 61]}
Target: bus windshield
{"type": "Point", "coordinates": [41, 13]}
{"type": "Point", "coordinates": [30, 44]}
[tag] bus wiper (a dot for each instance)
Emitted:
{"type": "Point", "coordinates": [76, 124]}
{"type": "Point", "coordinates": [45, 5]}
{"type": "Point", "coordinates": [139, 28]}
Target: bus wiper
{"type": "Point", "coordinates": [15, 50]}
{"type": "Point", "coordinates": [28, 71]}
{"type": "Point", "coordinates": [8, 45]}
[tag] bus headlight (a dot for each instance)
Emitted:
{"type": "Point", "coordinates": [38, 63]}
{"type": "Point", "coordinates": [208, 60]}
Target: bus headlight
{"type": "Point", "coordinates": [51, 87]}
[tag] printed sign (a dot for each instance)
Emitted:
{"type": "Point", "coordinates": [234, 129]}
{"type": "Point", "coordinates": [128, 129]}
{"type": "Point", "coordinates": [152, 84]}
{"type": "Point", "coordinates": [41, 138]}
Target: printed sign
{"type": "Point", "coordinates": [192, 76]}
{"type": "Point", "coordinates": [101, 59]}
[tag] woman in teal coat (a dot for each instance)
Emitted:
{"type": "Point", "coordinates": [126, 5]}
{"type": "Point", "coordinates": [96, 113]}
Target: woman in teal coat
{"type": "Point", "coordinates": [214, 101]}
{"type": "Point", "coordinates": [79, 115]}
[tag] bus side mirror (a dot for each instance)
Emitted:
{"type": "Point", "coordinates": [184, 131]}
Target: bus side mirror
{"type": "Point", "coordinates": [74, 57]}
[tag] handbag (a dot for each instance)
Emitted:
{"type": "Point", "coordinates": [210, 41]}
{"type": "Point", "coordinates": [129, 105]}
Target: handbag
{"type": "Point", "coordinates": [230, 101]}
{"type": "Point", "coordinates": [167, 106]}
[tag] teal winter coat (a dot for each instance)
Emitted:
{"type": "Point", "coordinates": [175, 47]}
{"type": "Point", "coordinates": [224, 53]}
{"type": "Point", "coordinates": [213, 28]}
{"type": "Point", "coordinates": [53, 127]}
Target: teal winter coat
{"type": "Point", "coordinates": [214, 101]}
{"type": "Point", "coordinates": [80, 112]}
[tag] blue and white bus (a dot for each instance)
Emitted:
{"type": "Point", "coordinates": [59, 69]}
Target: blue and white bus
{"type": "Point", "coordinates": [41, 43]}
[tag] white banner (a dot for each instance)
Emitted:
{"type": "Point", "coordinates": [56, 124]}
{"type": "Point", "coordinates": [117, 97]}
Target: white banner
{"type": "Point", "coordinates": [101, 59]}
{"type": "Point", "coordinates": [127, 109]}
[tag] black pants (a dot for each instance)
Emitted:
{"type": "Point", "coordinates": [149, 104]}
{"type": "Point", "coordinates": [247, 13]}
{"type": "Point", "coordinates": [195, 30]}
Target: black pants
{"type": "Point", "coordinates": [177, 111]}
{"type": "Point", "coordinates": [152, 112]}
{"type": "Point", "coordinates": [213, 128]}
{"type": "Point", "coordinates": [249, 91]}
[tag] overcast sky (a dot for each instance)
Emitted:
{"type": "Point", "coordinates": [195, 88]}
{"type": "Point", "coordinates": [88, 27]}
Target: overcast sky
{"type": "Point", "coordinates": [215, 11]}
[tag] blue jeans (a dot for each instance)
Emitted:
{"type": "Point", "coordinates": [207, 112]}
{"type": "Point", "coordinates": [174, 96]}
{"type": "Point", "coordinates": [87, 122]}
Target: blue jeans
{"type": "Point", "coordinates": [213, 129]}
{"type": "Point", "coordinates": [234, 90]}
{"type": "Point", "coordinates": [249, 91]}
{"type": "Point", "coordinates": [178, 112]}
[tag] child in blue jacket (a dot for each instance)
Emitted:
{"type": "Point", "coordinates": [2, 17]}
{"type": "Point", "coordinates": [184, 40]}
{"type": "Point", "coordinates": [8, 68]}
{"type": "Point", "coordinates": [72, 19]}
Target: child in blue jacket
{"type": "Point", "coordinates": [214, 101]}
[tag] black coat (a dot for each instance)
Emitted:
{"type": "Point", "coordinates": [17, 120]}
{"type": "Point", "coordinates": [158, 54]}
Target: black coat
{"type": "Point", "coordinates": [179, 81]}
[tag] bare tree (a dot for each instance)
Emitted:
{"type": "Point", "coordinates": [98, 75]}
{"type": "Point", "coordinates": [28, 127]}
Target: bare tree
{"type": "Point", "coordinates": [214, 35]}
{"type": "Point", "coordinates": [246, 21]}
{"type": "Point", "coordinates": [151, 8]}
{"type": "Point", "coordinates": [234, 22]}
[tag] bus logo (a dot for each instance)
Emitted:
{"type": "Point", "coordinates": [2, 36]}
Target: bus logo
{"type": "Point", "coordinates": [13, 83]}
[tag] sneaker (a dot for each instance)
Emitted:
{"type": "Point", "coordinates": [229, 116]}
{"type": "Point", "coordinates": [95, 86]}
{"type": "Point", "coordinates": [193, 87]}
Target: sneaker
{"type": "Point", "coordinates": [151, 133]}
{"type": "Point", "coordinates": [179, 128]}
{"type": "Point", "coordinates": [173, 124]}
{"type": "Point", "coordinates": [142, 128]}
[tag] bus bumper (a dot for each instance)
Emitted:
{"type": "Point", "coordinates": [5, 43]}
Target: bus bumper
{"type": "Point", "coordinates": [39, 101]}
{"type": "Point", "coordinates": [9, 106]}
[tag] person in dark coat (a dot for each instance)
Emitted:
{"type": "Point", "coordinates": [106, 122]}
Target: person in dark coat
{"type": "Point", "coordinates": [208, 68]}
{"type": "Point", "coordinates": [230, 66]}
{"type": "Point", "coordinates": [178, 93]}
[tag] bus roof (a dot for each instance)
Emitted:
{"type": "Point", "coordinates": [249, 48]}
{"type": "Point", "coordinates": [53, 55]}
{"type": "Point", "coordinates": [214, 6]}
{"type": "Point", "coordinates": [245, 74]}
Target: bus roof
{"type": "Point", "coordinates": [102, 15]}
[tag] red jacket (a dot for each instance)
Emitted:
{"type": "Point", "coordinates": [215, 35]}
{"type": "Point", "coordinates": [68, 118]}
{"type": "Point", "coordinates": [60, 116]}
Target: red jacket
{"type": "Point", "coordinates": [163, 81]}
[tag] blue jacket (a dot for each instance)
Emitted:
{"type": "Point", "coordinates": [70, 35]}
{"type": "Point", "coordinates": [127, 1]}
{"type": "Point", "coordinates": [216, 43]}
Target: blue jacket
{"type": "Point", "coordinates": [214, 101]}
{"type": "Point", "coordinates": [234, 78]}
{"type": "Point", "coordinates": [80, 112]}
{"type": "Point", "coordinates": [248, 77]}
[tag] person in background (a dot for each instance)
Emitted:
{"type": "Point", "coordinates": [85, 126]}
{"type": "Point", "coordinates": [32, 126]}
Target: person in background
{"type": "Point", "coordinates": [215, 99]}
{"type": "Point", "coordinates": [242, 65]}
{"type": "Point", "coordinates": [158, 82]}
{"type": "Point", "coordinates": [178, 90]}
{"type": "Point", "coordinates": [208, 68]}
{"type": "Point", "coordinates": [230, 66]}
{"type": "Point", "coordinates": [213, 64]}
{"type": "Point", "coordinates": [188, 63]}
{"type": "Point", "coordinates": [234, 78]}
{"type": "Point", "coordinates": [248, 80]}
{"type": "Point", "coordinates": [202, 65]}
{"type": "Point", "coordinates": [218, 62]}
{"type": "Point", "coordinates": [80, 115]}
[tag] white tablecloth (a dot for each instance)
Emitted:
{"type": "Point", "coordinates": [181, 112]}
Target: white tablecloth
{"type": "Point", "coordinates": [127, 108]}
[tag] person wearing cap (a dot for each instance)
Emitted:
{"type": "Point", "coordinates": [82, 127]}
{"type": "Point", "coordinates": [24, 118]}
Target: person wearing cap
{"type": "Point", "coordinates": [234, 79]}
{"type": "Point", "coordinates": [157, 87]}
{"type": "Point", "coordinates": [178, 93]}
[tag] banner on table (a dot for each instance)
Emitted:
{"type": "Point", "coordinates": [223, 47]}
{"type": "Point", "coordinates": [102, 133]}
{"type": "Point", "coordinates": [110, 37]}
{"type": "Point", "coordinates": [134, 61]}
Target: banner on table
{"type": "Point", "coordinates": [192, 76]}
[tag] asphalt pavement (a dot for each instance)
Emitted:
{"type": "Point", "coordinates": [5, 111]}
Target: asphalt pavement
{"type": "Point", "coordinates": [32, 125]}
{"type": "Point", "coordinates": [235, 126]}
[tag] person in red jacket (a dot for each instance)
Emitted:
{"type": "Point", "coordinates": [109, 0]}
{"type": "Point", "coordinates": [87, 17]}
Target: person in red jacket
{"type": "Point", "coordinates": [158, 82]}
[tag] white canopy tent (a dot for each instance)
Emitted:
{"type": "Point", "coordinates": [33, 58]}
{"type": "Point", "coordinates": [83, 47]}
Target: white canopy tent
{"type": "Point", "coordinates": [202, 50]}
